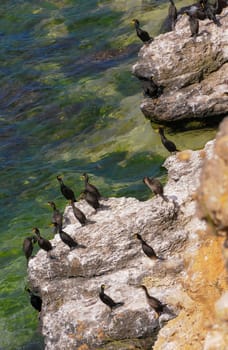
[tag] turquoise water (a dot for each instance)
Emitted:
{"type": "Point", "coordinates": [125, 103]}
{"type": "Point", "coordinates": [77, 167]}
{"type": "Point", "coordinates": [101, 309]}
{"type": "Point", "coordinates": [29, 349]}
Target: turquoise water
{"type": "Point", "coordinates": [69, 104]}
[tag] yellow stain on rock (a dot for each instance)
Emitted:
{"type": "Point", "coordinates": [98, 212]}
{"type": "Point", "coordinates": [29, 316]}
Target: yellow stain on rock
{"type": "Point", "coordinates": [83, 347]}
{"type": "Point", "coordinates": [206, 273]}
{"type": "Point", "coordinates": [184, 156]}
{"type": "Point", "coordinates": [80, 330]}
{"type": "Point", "coordinates": [100, 334]}
{"type": "Point", "coordinates": [204, 283]}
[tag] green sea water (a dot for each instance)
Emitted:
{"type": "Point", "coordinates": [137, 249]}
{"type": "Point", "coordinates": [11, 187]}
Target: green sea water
{"type": "Point", "coordinates": [69, 104]}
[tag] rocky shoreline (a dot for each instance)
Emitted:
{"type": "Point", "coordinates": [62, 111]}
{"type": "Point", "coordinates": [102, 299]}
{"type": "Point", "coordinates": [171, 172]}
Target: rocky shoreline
{"type": "Point", "coordinates": [192, 71]}
{"type": "Point", "coordinates": [188, 230]}
{"type": "Point", "coordinates": [72, 315]}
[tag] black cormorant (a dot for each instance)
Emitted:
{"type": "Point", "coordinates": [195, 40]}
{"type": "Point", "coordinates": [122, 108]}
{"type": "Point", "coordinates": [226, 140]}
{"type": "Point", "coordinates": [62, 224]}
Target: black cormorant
{"type": "Point", "coordinates": [148, 250]}
{"type": "Point", "coordinates": [210, 11]}
{"type": "Point", "coordinates": [69, 241]}
{"type": "Point", "coordinates": [142, 34]}
{"type": "Point", "coordinates": [28, 246]}
{"type": "Point", "coordinates": [79, 215]}
{"type": "Point", "coordinates": [57, 218]}
{"type": "Point", "coordinates": [154, 302]}
{"type": "Point", "coordinates": [35, 300]}
{"type": "Point", "coordinates": [44, 243]}
{"type": "Point", "coordinates": [107, 300]}
{"type": "Point", "coordinates": [193, 21]}
{"type": "Point", "coordinates": [89, 187]}
{"type": "Point", "coordinates": [155, 186]}
{"type": "Point", "coordinates": [150, 88]}
{"type": "Point", "coordinates": [196, 9]}
{"type": "Point", "coordinates": [220, 5]}
{"type": "Point", "coordinates": [67, 192]}
{"type": "Point", "coordinates": [169, 145]}
{"type": "Point", "coordinates": [172, 14]}
{"type": "Point", "coordinates": [91, 199]}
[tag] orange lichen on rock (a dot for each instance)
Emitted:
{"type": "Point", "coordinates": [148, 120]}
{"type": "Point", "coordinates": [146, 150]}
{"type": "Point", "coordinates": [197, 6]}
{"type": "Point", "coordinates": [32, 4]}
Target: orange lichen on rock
{"type": "Point", "coordinates": [184, 156]}
{"type": "Point", "coordinates": [184, 332]}
{"type": "Point", "coordinates": [206, 273]}
{"type": "Point", "coordinates": [204, 282]}
{"type": "Point", "coordinates": [81, 327]}
{"type": "Point", "coordinates": [100, 334]}
{"type": "Point", "coordinates": [83, 347]}
{"type": "Point", "coordinates": [213, 191]}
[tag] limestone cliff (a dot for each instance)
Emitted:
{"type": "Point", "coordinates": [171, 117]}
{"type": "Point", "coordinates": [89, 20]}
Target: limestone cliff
{"type": "Point", "coordinates": [189, 280]}
{"type": "Point", "coordinates": [192, 72]}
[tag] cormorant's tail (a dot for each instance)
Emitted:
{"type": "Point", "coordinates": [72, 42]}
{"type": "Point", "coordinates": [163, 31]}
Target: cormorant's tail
{"type": "Point", "coordinates": [160, 258]}
{"type": "Point", "coordinates": [81, 246]}
{"type": "Point", "coordinates": [118, 305]}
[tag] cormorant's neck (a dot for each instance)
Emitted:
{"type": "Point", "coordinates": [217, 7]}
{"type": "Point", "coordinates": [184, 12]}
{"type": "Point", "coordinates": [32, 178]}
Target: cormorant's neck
{"type": "Point", "coordinates": [146, 180]}
{"type": "Point", "coordinates": [145, 289]}
{"type": "Point", "coordinates": [86, 179]}
{"type": "Point", "coordinates": [162, 135]}
{"type": "Point", "coordinates": [53, 206]}
{"type": "Point", "coordinates": [37, 232]}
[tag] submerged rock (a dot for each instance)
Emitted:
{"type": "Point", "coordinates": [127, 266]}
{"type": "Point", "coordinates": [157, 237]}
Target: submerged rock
{"type": "Point", "coordinates": [193, 72]}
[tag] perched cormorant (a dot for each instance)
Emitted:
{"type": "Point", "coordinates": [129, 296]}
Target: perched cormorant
{"type": "Point", "coordinates": [79, 215]}
{"type": "Point", "coordinates": [155, 186]}
{"type": "Point", "coordinates": [69, 241]}
{"type": "Point", "coordinates": [67, 192]}
{"type": "Point", "coordinates": [148, 250]}
{"type": "Point", "coordinates": [90, 198]}
{"type": "Point", "coordinates": [193, 21]}
{"type": "Point", "coordinates": [142, 34]}
{"type": "Point", "coordinates": [210, 11]}
{"type": "Point", "coordinates": [89, 187]}
{"type": "Point", "coordinates": [150, 88]}
{"type": "Point", "coordinates": [57, 218]}
{"type": "Point", "coordinates": [169, 145]}
{"type": "Point", "coordinates": [107, 300]}
{"type": "Point", "coordinates": [44, 243]}
{"type": "Point", "coordinates": [153, 302]}
{"type": "Point", "coordinates": [172, 14]}
{"type": "Point", "coordinates": [35, 300]}
{"type": "Point", "coordinates": [28, 246]}
{"type": "Point", "coordinates": [196, 10]}
{"type": "Point", "coordinates": [220, 5]}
